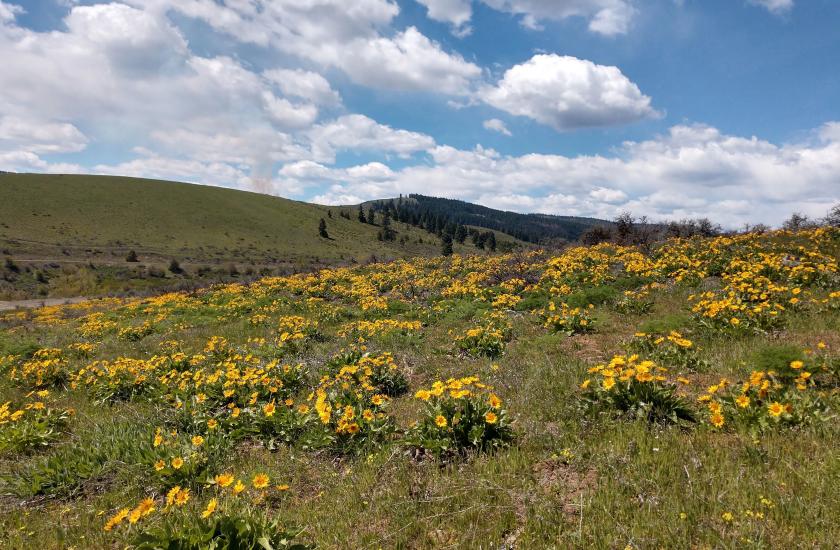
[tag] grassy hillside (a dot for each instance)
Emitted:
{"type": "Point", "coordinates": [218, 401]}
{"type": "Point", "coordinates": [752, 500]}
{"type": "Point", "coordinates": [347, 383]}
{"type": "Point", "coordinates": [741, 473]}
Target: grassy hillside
{"type": "Point", "coordinates": [66, 220]}
{"type": "Point", "coordinates": [679, 396]}
{"type": "Point", "coordinates": [535, 228]}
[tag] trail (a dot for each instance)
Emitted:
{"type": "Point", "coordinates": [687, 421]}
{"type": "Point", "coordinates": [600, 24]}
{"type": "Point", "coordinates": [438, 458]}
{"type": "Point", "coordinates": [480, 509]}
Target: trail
{"type": "Point", "coordinates": [41, 302]}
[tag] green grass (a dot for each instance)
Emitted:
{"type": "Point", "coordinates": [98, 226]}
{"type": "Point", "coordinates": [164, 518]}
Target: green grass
{"type": "Point", "coordinates": [570, 480]}
{"type": "Point", "coordinates": [78, 230]}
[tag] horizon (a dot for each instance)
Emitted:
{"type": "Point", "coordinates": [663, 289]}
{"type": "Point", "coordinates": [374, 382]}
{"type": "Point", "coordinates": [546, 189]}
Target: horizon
{"type": "Point", "coordinates": [587, 108]}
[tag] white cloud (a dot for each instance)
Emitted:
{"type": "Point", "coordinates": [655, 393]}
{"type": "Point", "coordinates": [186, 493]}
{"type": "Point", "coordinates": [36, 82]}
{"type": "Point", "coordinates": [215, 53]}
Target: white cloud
{"type": "Point", "coordinates": [568, 93]}
{"type": "Point", "coordinates": [40, 136]}
{"type": "Point", "coordinates": [496, 125]}
{"type": "Point", "coordinates": [408, 61]}
{"type": "Point", "coordinates": [152, 165]}
{"type": "Point", "coordinates": [455, 12]}
{"type": "Point", "coordinates": [304, 85]}
{"type": "Point", "coordinates": [361, 133]}
{"type": "Point", "coordinates": [774, 6]}
{"type": "Point", "coordinates": [690, 171]}
{"type": "Point", "coordinates": [335, 33]}
{"type": "Point", "coordinates": [606, 17]}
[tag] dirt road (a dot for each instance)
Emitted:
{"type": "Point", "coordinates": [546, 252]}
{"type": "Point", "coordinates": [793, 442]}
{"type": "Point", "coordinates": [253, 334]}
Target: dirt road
{"type": "Point", "coordinates": [26, 304]}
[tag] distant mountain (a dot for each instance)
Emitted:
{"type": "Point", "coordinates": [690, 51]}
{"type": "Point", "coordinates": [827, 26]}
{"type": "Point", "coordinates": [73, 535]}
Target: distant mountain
{"type": "Point", "coordinates": [444, 215]}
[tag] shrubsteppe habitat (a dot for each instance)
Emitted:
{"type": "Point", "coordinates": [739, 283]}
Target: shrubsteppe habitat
{"type": "Point", "coordinates": [419, 274]}
{"type": "Point", "coordinates": [645, 391]}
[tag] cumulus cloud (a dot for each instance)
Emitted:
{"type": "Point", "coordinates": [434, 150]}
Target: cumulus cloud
{"type": "Point", "coordinates": [606, 17]}
{"type": "Point", "coordinates": [774, 6]}
{"type": "Point", "coordinates": [568, 93]}
{"type": "Point", "coordinates": [496, 125]}
{"type": "Point", "coordinates": [455, 12]}
{"type": "Point", "coordinates": [361, 133]}
{"type": "Point", "coordinates": [305, 85]}
{"type": "Point", "coordinates": [692, 170]}
{"type": "Point", "coordinates": [348, 36]}
{"type": "Point", "coordinates": [38, 136]}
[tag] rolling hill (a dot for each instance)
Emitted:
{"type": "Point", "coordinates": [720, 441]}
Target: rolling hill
{"type": "Point", "coordinates": [49, 222]}
{"type": "Point", "coordinates": [435, 212]}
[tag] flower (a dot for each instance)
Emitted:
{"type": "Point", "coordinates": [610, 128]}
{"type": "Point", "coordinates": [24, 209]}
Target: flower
{"type": "Point", "coordinates": [224, 480]}
{"type": "Point", "coordinates": [170, 496]}
{"type": "Point", "coordinates": [608, 383]}
{"type": "Point", "coordinates": [743, 401]}
{"type": "Point", "coordinates": [269, 408]}
{"type": "Point", "coordinates": [775, 409]}
{"type": "Point", "coordinates": [727, 516]}
{"type": "Point", "coordinates": [239, 487]}
{"type": "Point", "coordinates": [490, 417]}
{"type": "Point", "coordinates": [160, 465]}
{"type": "Point", "coordinates": [211, 507]}
{"type": "Point", "coordinates": [116, 519]}
{"type": "Point", "coordinates": [197, 440]}
{"type": "Point", "coordinates": [440, 420]}
{"type": "Point", "coordinates": [177, 462]}
{"type": "Point", "coordinates": [494, 401]}
{"type": "Point", "coordinates": [212, 423]}
{"type": "Point", "coordinates": [260, 481]}
{"type": "Point", "coordinates": [717, 420]}
{"type": "Point", "coordinates": [182, 497]}
{"type": "Point", "coordinates": [796, 364]}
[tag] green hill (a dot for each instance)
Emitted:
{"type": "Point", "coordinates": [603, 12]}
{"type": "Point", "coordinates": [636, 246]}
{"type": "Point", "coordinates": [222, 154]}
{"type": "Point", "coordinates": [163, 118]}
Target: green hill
{"type": "Point", "coordinates": [435, 213]}
{"type": "Point", "coordinates": [50, 222]}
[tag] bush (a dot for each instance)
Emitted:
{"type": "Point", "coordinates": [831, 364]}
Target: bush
{"type": "Point", "coordinates": [31, 426]}
{"type": "Point", "coordinates": [131, 257]}
{"type": "Point", "coordinates": [460, 415]}
{"type": "Point", "coordinates": [637, 389]}
{"type": "Point", "coordinates": [567, 320]}
{"type": "Point", "coordinates": [673, 349]}
{"type": "Point", "coordinates": [175, 267]}
{"type": "Point", "coordinates": [236, 531]}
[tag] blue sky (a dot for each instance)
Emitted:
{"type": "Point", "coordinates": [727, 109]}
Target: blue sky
{"type": "Point", "coordinates": [665, 108]}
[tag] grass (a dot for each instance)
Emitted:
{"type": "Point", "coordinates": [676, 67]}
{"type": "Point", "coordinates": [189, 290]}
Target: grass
{"type": "Point", "coordinates": [570, 480]}
{"type": "Point", "coordinates": [77, 230]}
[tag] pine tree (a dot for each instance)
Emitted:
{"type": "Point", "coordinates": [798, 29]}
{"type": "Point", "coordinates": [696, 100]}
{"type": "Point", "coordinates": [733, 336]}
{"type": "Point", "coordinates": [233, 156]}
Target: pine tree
{"type": "Point", "coordinates": [362, 217]}
{"type": "Point", "coordinates": [461, 234]}
{"type": "Point", "coordinates": [491, 241]}
{"type": "Point", "coordinates": [322, 229]}
{"type": "Point", "coordinates": [388, 233]}
{"type": "Point", "coordinates": [446, 248]}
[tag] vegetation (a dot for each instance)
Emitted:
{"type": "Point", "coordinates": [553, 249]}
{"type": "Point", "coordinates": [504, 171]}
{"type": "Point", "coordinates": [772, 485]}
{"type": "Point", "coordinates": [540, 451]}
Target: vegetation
{"type": "Point", "coordinates": [67, 236]}
{"type": "Point", "coordinates": [438, 215]}
{"type": "Point", "coordinates": [681, 394]}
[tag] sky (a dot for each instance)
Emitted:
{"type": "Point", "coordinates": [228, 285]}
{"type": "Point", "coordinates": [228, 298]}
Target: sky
{"type": "Point", "coordinates": [728, 109]}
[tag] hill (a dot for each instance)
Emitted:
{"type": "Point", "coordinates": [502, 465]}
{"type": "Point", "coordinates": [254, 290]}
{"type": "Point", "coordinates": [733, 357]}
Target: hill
{"type": "Point", "coordinates": [50, 222]}
{"type": "Point", "coordinates": [435, 213]}
{"type": "Point", "coordinates": [476, 402]}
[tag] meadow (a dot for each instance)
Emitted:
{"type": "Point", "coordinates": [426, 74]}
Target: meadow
{"type": "Point", "coordinates": [682, 395]}
{"type": "Point", "coordinates": [70, 235]}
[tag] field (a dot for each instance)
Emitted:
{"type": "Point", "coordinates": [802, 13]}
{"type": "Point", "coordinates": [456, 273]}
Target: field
{"type": "Point", "coordinates": [70, 235]}
{"type": "Point", "coordinates": [682, 396]}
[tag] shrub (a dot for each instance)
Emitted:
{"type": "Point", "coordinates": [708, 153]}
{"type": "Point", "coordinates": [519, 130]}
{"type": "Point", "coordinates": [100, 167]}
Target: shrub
{"type": "Point", "coordinates": [488, 339]}
{"type": "Point", "coordinates": [31, 426]}
{"type": "Point", "coordinates": [237, 530]}
{"type": "Point", "coordinates": [788, 394]}
{"type": "Point", "coordinates": [673, 349]}
{"type": "Point", "coordinates": [131, 257]}
{"type": "Point", "coordinates": [568, 320]}
{"type": "Point", "coordinates": [460, 415]}
{"type": "Point", "coordinates": [637, 389]}
{"type": "Point", "coordinates": [175, 267]}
